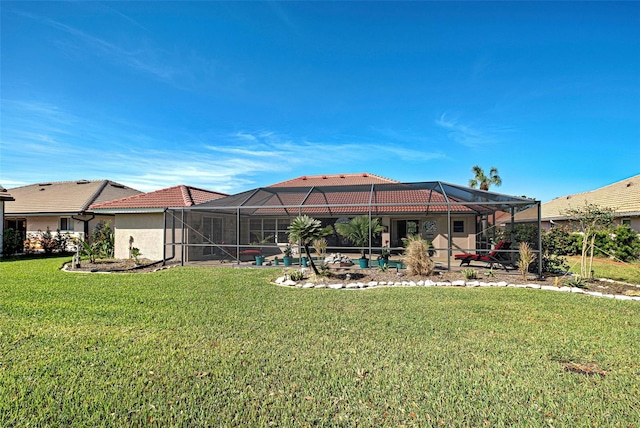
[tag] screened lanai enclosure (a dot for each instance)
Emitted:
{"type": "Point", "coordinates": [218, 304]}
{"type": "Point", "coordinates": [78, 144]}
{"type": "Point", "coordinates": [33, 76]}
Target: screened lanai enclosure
{"type": "Point", "coordinates": [455, 219]}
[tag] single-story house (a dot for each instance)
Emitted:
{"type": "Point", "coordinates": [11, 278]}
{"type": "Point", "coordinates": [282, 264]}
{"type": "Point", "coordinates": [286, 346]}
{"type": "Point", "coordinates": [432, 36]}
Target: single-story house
{"type": "Point", "coordinates": [139, 219]}
{"type": "Point", "coordinates": [622, 196]}
{"type": "Point", "coordinates": [62, 205]}
{"type": "Point", "coordinates": [5, 196]}
{"type": "Point", "coordinates": [448, 215]}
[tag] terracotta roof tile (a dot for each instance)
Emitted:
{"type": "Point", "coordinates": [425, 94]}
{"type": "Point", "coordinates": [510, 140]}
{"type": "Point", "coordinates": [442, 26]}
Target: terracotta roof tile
{"type": "Point", "coordinates": [64, 196]}
{"type": "Point", "coordinates": [176, 196]}
{"type": "Point", "coordinates": [334, 180]}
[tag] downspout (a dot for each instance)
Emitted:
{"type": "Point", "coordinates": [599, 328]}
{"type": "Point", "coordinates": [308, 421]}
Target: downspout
{"type": "Point", "coordinates": [85, 227]}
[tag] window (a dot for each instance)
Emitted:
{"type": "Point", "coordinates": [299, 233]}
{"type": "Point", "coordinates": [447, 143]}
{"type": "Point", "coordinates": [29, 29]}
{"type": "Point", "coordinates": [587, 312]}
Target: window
{"type": "Point", "coordinates": [458, 226]}
{"type": "Point", "coordinates": [66, 224]}
{"type": "Point", "coordinates": [264, 231]}
{"type": "Point", "coordinates": [626, 221]}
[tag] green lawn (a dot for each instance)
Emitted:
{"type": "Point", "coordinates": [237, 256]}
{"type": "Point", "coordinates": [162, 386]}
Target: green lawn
{"type": "Point", "coordinates": [604, 268]}
{"type": "Point", "coordinates": [223, 347]}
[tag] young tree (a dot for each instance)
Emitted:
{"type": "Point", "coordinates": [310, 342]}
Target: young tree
{"type": "Point", "coordinates": [483, 181]}
{"type": "Point", "coordinates": [590, 219]}
{"type": "Point", "coordinates": [306, 229]}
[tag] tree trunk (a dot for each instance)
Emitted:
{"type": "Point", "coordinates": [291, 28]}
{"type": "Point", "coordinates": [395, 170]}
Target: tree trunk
{"type": "Point", "coordinates": [583, 256]}
{"type": "Point", "coordinates": [313, 265]}
{"type": "Point", "coordinates": [593, 244]}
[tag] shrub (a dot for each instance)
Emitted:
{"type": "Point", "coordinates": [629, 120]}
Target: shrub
{"type": "Point", "coordinates": [469, 273]}
{"type": "Point", "coordinates": [62, 241]}
{"type": "Point", "coordinates": [560, 242]}
{"type": "Point", "coordinates": [521, 233]}
{"type": "Point", "coordinates": [416, 256]}
{"type": "Point", "coordinates": [101, 243]}
{"type": "Point", "coordinates": [12, 242]}
{"type": "Point", "coordinates": [106, 238]}
{"type": "Point", "coordinates": [135, 253]}
{"type": "Point", "coordinates": [576, 281]}
{"type": "Point", "coordinates": [625, 243]}
{"type": "Point", "coordinates": [47, 243]}
{"type": "Point", "coordinates": [295, 274]}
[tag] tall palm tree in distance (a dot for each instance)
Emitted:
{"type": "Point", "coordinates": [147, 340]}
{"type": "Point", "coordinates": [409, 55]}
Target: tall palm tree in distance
{"type": "Point", "coordinates": [483, 181]}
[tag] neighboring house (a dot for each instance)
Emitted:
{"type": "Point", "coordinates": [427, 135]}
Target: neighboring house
{"type": "Point", "coordinates": [623, 197]}
{"type": "Point", "coordinates": [139, 219]}
{"type": "Point", "coordinates": [4, 197]}
{"type": "Point", "coordinates": [61, 206]}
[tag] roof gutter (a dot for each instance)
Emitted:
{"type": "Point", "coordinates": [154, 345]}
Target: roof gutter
{"type": "Point", "coordinates": [85, 222]}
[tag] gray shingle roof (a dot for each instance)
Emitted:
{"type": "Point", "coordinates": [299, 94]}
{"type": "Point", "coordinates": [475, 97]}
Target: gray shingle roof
{"type": "Point", "coordinates": [5, 195]}
{"type": "Point", "coordinates": [623, 197]}
{"type": "Point", "coordinates": [64, 196]}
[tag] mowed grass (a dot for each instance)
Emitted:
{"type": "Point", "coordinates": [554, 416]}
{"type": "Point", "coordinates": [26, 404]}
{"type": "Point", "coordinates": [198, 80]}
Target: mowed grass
{"type": "Point", "coordinates": [224, 347]}
{"type": "Point", "coordinates": [628, 272]}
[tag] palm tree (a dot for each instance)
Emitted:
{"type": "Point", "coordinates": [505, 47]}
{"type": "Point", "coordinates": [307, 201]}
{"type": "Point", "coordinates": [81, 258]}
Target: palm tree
{"type": "Point", "coordinates": [480, 179]}
{"type": "Point", "coordinates": [357, 230]}
{"type": "Point", "coordinates": [305, 229]}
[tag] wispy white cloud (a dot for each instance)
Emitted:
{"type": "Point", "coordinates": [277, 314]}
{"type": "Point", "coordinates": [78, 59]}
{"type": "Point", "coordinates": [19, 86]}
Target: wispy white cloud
{"type": "Point", "coordinates": [183, 69]}
{"type": "Point", "coordinates": [469, 136]}
{"type": "Point", "coordinates": [44, 142]}
{"type": "Point", "coordinates": [40, 141]}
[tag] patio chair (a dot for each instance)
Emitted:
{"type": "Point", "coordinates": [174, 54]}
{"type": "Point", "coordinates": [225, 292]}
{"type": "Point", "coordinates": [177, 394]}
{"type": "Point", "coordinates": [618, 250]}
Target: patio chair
{"type": "Point", "coordinates": [494, 257]}
{"type": "Point", "coordinates": [228, 252]}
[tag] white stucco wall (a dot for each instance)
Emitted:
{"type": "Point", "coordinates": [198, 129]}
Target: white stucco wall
{"type": "Point", "coordinates": [146, 230]}
{"type": "Point", "coordinates": [1, 225]}
{"type": "Point", "coordinates": [40, 223]}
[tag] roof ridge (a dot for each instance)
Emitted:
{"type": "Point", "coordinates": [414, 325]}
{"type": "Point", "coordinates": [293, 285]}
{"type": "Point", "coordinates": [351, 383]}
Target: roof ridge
{"type": "Point", "coordinates": [95, 194]}
{"type": "Point", "coordinates": [186, 195]}
{"type": "Point", "coordinates": [203, 190]}
{"type": "Point", "coordinates": [334, 175]}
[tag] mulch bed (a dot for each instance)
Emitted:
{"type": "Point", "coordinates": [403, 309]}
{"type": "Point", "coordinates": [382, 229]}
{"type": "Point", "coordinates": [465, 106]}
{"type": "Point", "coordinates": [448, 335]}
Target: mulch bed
{"type": "Point", "coordinates": [355, 274]}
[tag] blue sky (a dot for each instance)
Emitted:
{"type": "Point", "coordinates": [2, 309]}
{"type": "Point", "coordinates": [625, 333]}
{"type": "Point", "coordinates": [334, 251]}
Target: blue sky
{"type": "Point", "coordinates": [230, 96]}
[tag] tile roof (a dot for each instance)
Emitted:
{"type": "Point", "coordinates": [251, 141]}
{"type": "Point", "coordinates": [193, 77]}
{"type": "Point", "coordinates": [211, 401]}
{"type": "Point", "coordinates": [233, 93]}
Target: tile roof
{"type": "Point", "coordinates": [67, 197]}
{"type": "Point", "coordinates": [622, 196]}
{"type": "Point", "coordinates": [334, 180]}
{"type": "Point", "coordinates": [174, 197]}
{"type": "Point", "coordinates": [5, 195]}
{"type": "Point", "coordinates": [387, 198]}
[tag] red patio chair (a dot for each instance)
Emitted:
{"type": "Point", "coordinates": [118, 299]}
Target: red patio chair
{"type": "Point", "coordinates": [494, 257]}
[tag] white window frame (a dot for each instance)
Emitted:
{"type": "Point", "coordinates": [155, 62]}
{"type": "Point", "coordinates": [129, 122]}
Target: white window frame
{"type": "Point", "coordinates": [70, 224]}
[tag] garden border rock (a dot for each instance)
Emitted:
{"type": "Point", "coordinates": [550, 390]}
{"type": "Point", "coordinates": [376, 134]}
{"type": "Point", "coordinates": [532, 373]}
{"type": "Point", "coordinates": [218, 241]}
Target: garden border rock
{"type": "Point", "coordinates": [283, 281]}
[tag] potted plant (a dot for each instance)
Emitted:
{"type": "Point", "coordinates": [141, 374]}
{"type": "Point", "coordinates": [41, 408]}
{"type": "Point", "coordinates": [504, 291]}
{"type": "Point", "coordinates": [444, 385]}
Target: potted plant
{"type": "Point", "coordinates": [383, 258]}
{"type": "Point", "coordinates": [259, 260]}
{"type": "Point", "coordinates": [287, 255]}
{"type": "Point", "coordinates": [357, 231]}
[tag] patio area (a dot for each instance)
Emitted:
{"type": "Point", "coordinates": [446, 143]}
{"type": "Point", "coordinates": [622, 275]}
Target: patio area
{"type": "Point", "coordinates": [454, 219]}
